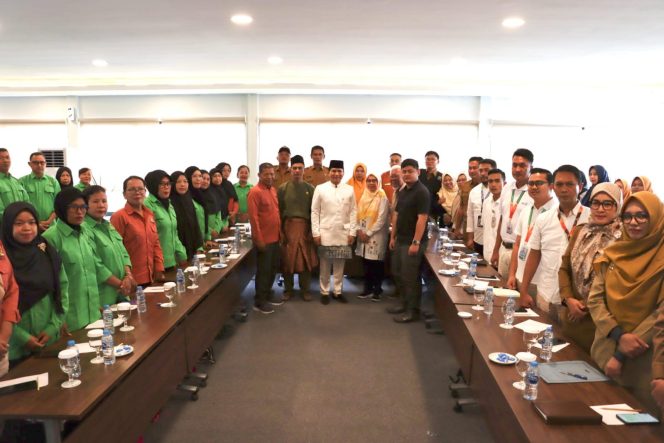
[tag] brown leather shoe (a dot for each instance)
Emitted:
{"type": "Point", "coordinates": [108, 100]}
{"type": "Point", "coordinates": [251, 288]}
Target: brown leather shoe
{"type": "Point", "coordinates": [306, 296]}
{"type": "Point", "coordinates": [287, 295]}
{"type": "Point", "coordinates": [407, 317]}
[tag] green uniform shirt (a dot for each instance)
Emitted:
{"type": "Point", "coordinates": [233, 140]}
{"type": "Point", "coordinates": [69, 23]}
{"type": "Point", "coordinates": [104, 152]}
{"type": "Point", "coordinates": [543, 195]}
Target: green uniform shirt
{"type": "Point", "coordinates": [41, 193]}
{"type": "Point", "coordinates": [215, 223]}
{"type": "Point", "coordinates": [10, 191]}
{"type": "Point", "coordinates": [295, 200]}
{"type": "Point", "coordinates": [200, 216]}
{"type": "Point", "coordinates": [83, 268]}
{"type": "Point", "coordinates": [113, 255]}
{"type": "Point", "coordinates": [41, 317]}
{"type": "Point", "coordinates": [80, 186]}
{"type": "Point", "coordinates": [167, 227]}
{"type": "Point", "coordinates": [242, 193]}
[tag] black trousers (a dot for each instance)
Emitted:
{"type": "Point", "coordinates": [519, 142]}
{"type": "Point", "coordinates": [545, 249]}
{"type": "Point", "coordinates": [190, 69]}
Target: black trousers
{"type": "Point", "coordinates": [374, 273]}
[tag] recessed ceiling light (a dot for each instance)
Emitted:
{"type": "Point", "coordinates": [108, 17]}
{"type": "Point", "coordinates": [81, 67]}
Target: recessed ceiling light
{"type": "Point", "coordinates": [242, 19]}
{"type": "Point", "coordinates": [513, 22]}
{"type": "Point", "coordinates": [99, 63]}
{"type": "Point", "coordinates": [275, 60]}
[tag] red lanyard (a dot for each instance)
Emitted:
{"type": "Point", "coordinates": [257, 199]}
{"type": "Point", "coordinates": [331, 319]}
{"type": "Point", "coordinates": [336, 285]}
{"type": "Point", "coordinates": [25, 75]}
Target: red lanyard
{"type": "Point", "coordinates": [530, 227]}
{"type": "Point", "coordinates": [562, 223]}
{"type": "Point", "coordinates": [513, 205]}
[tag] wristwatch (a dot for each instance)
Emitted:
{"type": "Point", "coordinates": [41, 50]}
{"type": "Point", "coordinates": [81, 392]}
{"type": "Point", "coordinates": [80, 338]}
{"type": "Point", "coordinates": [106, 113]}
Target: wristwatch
{"type": "Point", "coordinates": [416, 242]}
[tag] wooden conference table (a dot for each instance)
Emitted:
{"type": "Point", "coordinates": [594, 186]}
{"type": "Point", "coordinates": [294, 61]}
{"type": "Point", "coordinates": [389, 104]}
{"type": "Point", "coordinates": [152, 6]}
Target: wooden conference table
{"type": "Point", "coordinates": [116, 403]}
{"type": "Point", "coordinates": [509, 416]}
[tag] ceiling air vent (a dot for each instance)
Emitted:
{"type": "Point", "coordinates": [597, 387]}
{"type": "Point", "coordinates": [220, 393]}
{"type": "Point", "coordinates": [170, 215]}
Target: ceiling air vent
{"type": "Point", "coordinates": [54, 157]}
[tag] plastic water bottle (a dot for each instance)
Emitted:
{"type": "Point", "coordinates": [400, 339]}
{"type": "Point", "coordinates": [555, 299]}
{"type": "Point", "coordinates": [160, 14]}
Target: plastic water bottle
{"type": "Point", "coordinates": [532, 378]}
{"type": "Point", "coordinates": [140, 300]}
{"type": "Point", "coordinates": [443, 236]}
{"type": "Point", "coordinates": [488, 301]}
{"type": "Point", "coordinates": [179, 280]}
{"type": "Point", "coordinates": [510, 308]}
{"type": "Point", "coordinates": [76, 373]}
{"type": "Point", "coordinates": [196, 262]}
{"type": "Point", "coordinates": [107, 348]}
{"type": "Point", "coordinates": [547, 345]}
{"type": "Point", "coordinates": [107, 316]}
{"type": "Point", "coordinates": [472, 270]}
{"type": "Point", "coordinates": [236, 242]}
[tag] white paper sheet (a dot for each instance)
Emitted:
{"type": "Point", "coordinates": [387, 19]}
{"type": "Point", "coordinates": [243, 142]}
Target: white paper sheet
{"type": "Point", "coordinates": [42, 380]}
{"type": "Point", "coordinates": [153, 289]}
{"type": "Point", "coordinates": [532, 325]}
{"type": "Point", "coordinates": [556, 348]}
{"type": "Point", "coordinates": [85, 348]}
{"type": "Point", "coordinates": [609, 417]}
{"type": "Point", "coordinates": [99, 324]}
{"type": "Point", "coordinates": [233, 256]}
{"type": "Point", "coordinates": [504, 292]}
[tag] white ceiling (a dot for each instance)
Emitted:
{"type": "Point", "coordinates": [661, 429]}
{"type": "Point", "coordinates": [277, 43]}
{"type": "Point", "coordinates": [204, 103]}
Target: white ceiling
{"type": "Point", "coordinates": [368, 45]}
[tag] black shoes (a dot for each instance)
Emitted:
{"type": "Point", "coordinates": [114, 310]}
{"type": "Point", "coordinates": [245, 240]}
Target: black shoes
{"type": "Point", "coordinates": [325, 299]}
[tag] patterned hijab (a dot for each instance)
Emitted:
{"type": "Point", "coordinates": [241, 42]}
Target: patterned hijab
{"type": "Point", "coordinates": [635, 277]}
{"type": "Point", "coordinates": [591, 241]}
{"type": "Point", "coordinates": [369, 204]}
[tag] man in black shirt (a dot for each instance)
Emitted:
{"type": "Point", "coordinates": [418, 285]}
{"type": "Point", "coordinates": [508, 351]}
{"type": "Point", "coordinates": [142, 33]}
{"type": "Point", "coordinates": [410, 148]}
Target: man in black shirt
{"type": "Point", "coordinates": [432, 179]}
{"type": "Point", "coordinates": [408, 241]}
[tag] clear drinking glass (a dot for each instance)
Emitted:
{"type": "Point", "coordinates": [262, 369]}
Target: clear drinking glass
{"type": "Point", "coordinates": [125, 308]}
{"type": "Point", "coordinates": [192, 273]}
{"type": "Point", "coordinates": [479, 299]}
{"type": "Point", "coordinates": [508, 315]}
{"type": "Point", "coordinates": [68, 360]}
{"type": "Point", "coordinates": [94, 340]}
{"type": "Point", "coordinates": [455, 257]}
{"type": "Point", "coordinates": [523, 360]}
{"type": "Point", "coordinates": [530, 338]}
{"type": "Point", "coordinates": [169, 292]}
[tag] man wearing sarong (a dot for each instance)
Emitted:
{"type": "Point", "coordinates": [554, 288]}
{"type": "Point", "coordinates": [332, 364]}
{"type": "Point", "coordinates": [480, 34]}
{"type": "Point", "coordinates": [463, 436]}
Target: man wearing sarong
{"type": "Point", "coordinates": [297, 248]}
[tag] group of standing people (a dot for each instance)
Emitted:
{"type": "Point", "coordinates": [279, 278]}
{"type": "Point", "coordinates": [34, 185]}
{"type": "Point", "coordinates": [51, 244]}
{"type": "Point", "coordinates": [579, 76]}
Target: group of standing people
{"type": "Point", "coordinates": [592, 259]}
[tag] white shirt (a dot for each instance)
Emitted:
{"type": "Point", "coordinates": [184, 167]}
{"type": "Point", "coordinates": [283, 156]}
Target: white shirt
{"type": "Point", "coordinates": [519, 197]}
{"type": "Point", "coordinates": [522, 231]}
{"type": "Point", "coordinates": [333, 213]}
{"type": "Point", "coordinates": [490, 217]}
{"type": "Point", "coordinates": [550, 238]}
{"type": "Point", "coordinates": [474, 217]}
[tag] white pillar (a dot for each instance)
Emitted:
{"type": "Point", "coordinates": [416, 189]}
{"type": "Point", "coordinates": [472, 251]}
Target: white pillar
{"type": "Point", "coordinates": [484, 127]}
{"type": "Point", "coordinates": [253, 142]}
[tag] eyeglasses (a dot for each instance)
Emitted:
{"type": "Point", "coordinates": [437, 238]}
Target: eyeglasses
{"type": "Point", "coordinates": [136, 190]}
{"type": "Point", "coordinates": [640, 217]}
{"type": "Point", "coordinates": [537, 183]}
{"type": "Point", "coordinates": [605, 204]}
{"type": "Point", "coordinates": [38, 163]}
{"type": "Point", "coordinates": [165, 184]}
{"type": "Point", "coordinates": [78, 207]}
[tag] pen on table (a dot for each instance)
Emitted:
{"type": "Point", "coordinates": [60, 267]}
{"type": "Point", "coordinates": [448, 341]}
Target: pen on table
{"type": "Point", "coordinates": [581, 377]}
{"type": "Point", "coordinates": [621, 409]}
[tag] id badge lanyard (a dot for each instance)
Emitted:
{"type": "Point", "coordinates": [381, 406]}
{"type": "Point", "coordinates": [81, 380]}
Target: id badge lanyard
{"type": "Point", "coordinates": [564, 227]}
{"type": "Point", "coordinates": [513, 207]}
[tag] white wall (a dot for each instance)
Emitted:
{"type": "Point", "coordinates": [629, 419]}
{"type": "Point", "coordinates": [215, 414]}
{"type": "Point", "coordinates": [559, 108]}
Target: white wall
{"type": "Point", "coordinates": [618, 133]}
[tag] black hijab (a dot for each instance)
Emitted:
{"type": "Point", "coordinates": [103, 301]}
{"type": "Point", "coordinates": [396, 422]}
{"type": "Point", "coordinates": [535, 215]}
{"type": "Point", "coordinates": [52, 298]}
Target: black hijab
{"type": "Point", "coordinates": [188, 230]}
{"type": "Point", "coordinates": [202, 197]}
{"type": "Point", "coordinates": [58, 174]}
{"type": "Point", "coordinates": [219, 193]}
{"type": "Point", "coordinates": [152, 181]}
{"type": "Point", "coordinates": [226, 184]}
{"type": "Point", "coordinates": [36, 265]}
{"type": "Point", "coordinates": [64, 199]}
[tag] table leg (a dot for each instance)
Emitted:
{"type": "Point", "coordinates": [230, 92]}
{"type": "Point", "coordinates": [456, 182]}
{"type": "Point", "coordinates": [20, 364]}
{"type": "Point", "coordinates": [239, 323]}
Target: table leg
{"type": "Point", "coordinates": [52, 430]}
